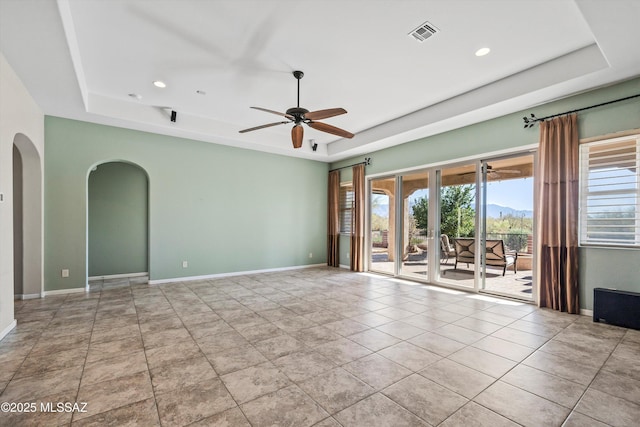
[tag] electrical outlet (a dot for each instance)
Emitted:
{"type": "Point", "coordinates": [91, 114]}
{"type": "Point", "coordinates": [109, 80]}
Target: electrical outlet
{"type": "Point", "coordinates": [310, 254]}
{"type": "Point", "coordinates": [65, 272]}
{"type": "Point", "coordinates": [185, 264]}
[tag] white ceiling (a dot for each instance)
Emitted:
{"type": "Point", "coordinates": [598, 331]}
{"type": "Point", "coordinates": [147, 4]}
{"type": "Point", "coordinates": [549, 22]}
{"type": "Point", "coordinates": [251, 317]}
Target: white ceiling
{"type": "Point", "coordinates": [81, 59]}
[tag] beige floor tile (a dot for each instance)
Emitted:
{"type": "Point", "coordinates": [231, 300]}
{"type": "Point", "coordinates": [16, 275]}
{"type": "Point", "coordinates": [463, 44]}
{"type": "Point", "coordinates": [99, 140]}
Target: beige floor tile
{"type": "Point", "coordinates": [178, 350]}
{"type": "Point", "coordinates": [576, 419]}
{"type": "Point", "coordinates": [162, 338]}
{"type": "Point", "coordinates": [260, 332]}
{"type": "Point", "coordinates": [424, 322]}
{"type": "Point", "coordinates": [520, 337]}
{"type": "Point", "coordinates": [458, 333]}
{"type": "Point", "coordinates": [346, 327]}
{"type": "Point", "coordinates": [229, 418]}
{"type": "Point", "coordinates": [551, 387]}
{"type": "Point", "coordinates": [304, 364]}
{"type": "Point", "coordinates": [289, 406]}
{"type": "Point", "coordinates": [336, 389]}
{"type": "Point", "coordinates": [545, 359]}
{"type": "Point", "coordinates": [374, 339]}
{"type": "Point", "coordinates": [500, 347]}
{"type": "Point", "coordinates": [189, 404]}
{"type": "Point", "coordinates": [516, 404]}
{"type": "Point", "coordinates": [474, 415]}
{"type": "Point", "coordinates": [377, 371]}
{"type": "Point", "coordinates": [315, 336]}
{"type": "Point", "coordinates": [430, 401]}
{"type": "Point", "coordinates": [342, 351]}
{"type": "Point", "coordinates": [581, 373]}
{"type": "Point", "coordinates": [456, 377]}
{"type": "Point", "coordinates": [215, 327]}
{"type": "Point", "coordinates": [609, 409]}
{"type": "Point", "coordinates": [378, 410]}
{"type": "Point", "coordinates": [279, 346]}
{"type": "Point", "coordinates": [114, 367]}
{"type": "Point", "coordinates": [41, 416]}
{"type": "Point", "coordinates": [211, 344]}
{"type": "Point", "coordinates": [112, 394]}
{"type": "Point", "coordinates": [410, 356]}
{"type": "Point", "coordinates": [143, 413]}
{"type": "Point", "coordinates": [235, 359]}
{"type": "Point", "coordinates": [437, 344]}
{"type": "Point", "coordinates": [20, 389]}
{"type": "Point", "coordinates": [181, 373]}
{"type": "Point", "coordinates": [66, 343]}
{"type": "Point", "coordinates": [485, 362]}
{"type": "Point", "coordinates": [255, 381]}
{"type": "Point", "coordinates": [106, 350]}
{"type": "Point", "coordinates": [400, 330]}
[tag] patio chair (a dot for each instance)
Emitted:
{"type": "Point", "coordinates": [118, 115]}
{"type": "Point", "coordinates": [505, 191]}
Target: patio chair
{"type": "Point", "coordinates": [495, 254]}
{"type": "Point", "coordinates": [446, 250]}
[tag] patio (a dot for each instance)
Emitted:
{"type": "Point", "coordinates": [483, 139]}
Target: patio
{"type": "Point", "coordinates": [517, 285]}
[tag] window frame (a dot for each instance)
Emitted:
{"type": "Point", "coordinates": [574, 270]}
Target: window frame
{"type": "Point", "coordinates": [346, 198]}
{"type": "Point", "coordinates": [584, 171]}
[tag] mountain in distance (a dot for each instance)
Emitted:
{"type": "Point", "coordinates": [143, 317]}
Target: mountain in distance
{"type": "Point", "coordinates": [496, 211]}
{"type": "Point", "coordinates": [493, 211]}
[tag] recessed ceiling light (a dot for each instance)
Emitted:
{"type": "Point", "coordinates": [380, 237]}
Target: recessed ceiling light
{"type": "Point", "coordinates": [159, 83]}
{"type": "Point", "coordinates": [482, 51]}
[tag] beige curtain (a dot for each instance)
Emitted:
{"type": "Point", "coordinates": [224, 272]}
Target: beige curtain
{"type": "Point", "coordinates": [333, 220]}
{"type": "Point", "coordinates": [357, 232]}
{"type": "Point", "coordinates": [557, 214]}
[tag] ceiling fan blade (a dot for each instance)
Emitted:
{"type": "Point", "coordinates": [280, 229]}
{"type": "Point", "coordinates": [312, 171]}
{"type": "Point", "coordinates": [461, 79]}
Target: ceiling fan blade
{"type": "Point", "coordinates": [263, 126]}
{"type": "Point", "coordinates": [273, 112]}
{"type": "Point", "coordinates": [324, 114]}
{"type": "Point", "coordinates": [296, 136]}
{"type": "Point", "coordinates": [330, 129]}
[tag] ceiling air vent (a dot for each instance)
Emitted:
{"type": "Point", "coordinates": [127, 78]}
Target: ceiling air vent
{"type": "Point", "coordinates": [423, 32]}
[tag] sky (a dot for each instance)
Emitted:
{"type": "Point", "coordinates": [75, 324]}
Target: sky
{"type": "Point", "coordinates": [513, 193]}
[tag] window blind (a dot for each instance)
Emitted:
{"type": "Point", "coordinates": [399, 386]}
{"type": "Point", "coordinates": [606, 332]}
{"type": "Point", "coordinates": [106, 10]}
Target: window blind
{"type": "Point", "coordinates": [610, 192]}
{"type": "Point", "coordinates": [346, 209]}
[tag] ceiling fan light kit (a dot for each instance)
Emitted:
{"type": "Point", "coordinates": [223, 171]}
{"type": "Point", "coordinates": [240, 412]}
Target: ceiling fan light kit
{"type": "Point", "coordinates": [299, 115]}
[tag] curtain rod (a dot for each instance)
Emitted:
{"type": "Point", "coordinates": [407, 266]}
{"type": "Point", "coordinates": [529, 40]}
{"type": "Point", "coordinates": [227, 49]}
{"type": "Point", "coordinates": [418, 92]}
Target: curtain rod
{"type": "Point", "coordinates": [530, 121]}
{"type": "Point", "coordinates": [367, 162]}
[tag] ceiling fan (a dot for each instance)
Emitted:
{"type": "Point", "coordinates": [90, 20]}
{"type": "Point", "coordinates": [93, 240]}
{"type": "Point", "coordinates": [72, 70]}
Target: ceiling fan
{"type": "Point", "coordinates": [496, 173]}
{"type": "Point", "coordinates": [298, 115]}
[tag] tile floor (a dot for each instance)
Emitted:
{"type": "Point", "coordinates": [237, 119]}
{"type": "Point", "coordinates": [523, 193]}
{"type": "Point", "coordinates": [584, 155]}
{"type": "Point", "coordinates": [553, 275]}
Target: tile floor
{"type": "Point", "coordinates": [317, 346]}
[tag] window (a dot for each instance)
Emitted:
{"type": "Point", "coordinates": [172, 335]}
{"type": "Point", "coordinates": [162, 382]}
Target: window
{"type": "Point", "coordinates": [610, 192]}
{"type": "Point", "coordinates": [346, 209]}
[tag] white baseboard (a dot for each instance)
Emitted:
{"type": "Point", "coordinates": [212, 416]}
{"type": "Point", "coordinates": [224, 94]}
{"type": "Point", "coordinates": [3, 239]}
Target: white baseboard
{"type": "Point", "coordinates": [236, 273]}
{"type": "Point", "coordinates": [118, 276]}
{"type": "Point", "coordinates": [64, 291]}
{"type": "Point", "coordinates": [8, 329]}
{"type": "Point", "coordinates": [346, 267]}
{"type": "Point", "coordinates": [26, 296]}
{"type": "Point", "coordinates": [586, 312]}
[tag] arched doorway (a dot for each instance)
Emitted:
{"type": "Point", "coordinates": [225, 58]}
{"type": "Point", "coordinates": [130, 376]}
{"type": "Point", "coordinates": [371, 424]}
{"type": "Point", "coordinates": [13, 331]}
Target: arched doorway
{"type": "Point", "coordinates": [27, 219]}
{"type": "Point", "coordinates": [117, 224]}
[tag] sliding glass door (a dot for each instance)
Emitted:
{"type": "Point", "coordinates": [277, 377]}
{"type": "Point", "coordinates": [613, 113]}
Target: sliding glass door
{"type": "Point", "coordinates": [457, 225]}
{"type": "Point", "coordinates": [382, 225]}
{"type": "Point", "coordinates": [416, 243]}
{"type": "Point", "coordinates": [507, 222]}
{"type": "Point", "coordinates": [466, 225]}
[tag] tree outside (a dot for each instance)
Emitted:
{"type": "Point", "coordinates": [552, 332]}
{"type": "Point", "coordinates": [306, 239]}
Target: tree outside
{"type": "Point", "coordinates": [457, 215]}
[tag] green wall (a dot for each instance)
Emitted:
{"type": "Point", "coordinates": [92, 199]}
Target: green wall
{"type": "Point", "coordinates": [118, 220]}
{"type": "Point", "coordinates": [616, 268]}
{"type": "Point", "coordinates": [220, 208]}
